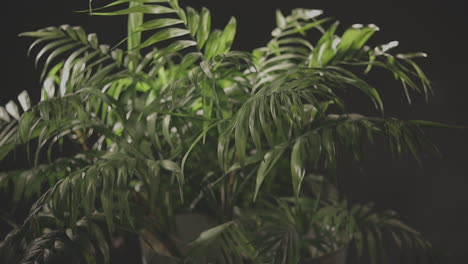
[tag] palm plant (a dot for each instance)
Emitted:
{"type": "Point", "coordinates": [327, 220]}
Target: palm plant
{"type": "Point", "coordinates": [179, 123]}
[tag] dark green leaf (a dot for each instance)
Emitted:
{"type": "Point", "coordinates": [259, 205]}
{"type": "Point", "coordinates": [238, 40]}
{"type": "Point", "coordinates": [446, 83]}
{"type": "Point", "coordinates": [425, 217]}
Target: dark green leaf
{"type": "Point", "coordinates": [211, 233]}
{"type": "Point", "coordinates": [227, 37]}
{"type": "Point", "coordinates": [269, 161]}
{"type": "Point", "coordinates": [297, 164]}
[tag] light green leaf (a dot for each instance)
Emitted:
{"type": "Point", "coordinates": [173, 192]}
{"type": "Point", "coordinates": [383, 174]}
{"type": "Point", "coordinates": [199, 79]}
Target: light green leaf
{"type": "Point", "coordinates": [325, 50]}
{"type": "Point", "coordinates": [193, 20]}
{"type": "Point", "coordinates": [227, 37]}
{"type": "Point", "coordinates": [159, 23]}
{"type": "Point", "coordinates": [302, 29]}
{"type": "Point", "coordinates": [189, 59]}
{"type": "Point", "coordinates": [49, 47]}
{"type": "Point", "coordinates": [118, 2]}
{"type": "Point", "coordinates": [204, 28]}
{"type": "Point", "coordinates": [173, 167]}
{"type": "Point", "coordinates": [144, 9]}
{"type": "Point", "coordinates": [213, 44]}
{"type": "Point", "coordinates": [180, 45]}
{"type": "Point", "coordinates": [164, 34]}
{"type": "Point", "coordinates": [45, 33]}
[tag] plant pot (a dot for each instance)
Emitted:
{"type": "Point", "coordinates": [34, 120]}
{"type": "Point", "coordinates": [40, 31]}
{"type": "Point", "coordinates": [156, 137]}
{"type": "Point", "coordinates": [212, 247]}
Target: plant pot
{"type": "Point", "coordinates": [337, 257]}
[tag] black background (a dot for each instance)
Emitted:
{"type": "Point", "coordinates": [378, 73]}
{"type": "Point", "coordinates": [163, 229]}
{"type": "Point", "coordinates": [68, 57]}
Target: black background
{"type": "Point", "coordinates": [432, 198]}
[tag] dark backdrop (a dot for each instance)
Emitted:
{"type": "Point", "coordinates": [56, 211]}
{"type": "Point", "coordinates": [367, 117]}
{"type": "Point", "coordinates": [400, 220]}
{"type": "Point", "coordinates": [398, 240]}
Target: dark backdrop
{"type": "Point", "coordinates": [433, 198]}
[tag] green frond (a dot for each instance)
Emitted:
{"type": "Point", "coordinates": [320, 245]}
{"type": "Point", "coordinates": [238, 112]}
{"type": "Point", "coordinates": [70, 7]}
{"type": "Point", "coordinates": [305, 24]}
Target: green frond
{"type": "Point", "coordinates": [191, 27]}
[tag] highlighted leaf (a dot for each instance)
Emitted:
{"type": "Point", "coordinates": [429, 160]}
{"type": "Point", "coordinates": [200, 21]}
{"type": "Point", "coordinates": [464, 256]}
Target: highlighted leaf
{"type": "Point", "coordinates": [164, 35]}
{"type": "Point", "coordinates": [144, 9]}
{"type": "Point", "coordinates": [204, 28]}
{"type": "Point", "coordinates": [297, 164]}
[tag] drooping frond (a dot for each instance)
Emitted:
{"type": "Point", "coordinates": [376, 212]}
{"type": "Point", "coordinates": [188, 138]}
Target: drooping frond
{"type": "Point", "coordinates": [171, 21]}
{"type": "Point", "coordinates": [74, 55]}
{"type": "Point", "coordinates": [51, 243]}
{"type": "Point", "coordinates": [293, 94]}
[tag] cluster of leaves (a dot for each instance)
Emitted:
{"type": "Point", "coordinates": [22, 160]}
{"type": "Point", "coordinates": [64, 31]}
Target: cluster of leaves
{"type": "Point", "coordinates": [147, 117]}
